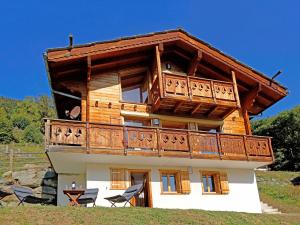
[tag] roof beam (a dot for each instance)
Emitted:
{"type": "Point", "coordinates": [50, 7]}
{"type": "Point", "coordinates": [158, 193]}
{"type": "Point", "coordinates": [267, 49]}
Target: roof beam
{"type": "Point", "coordinates": [177, 106]}
{"type": "Point", "coordinates": [196, 109]}
{"type": "Point", "coordinates": [66, 95]}
{"type": "Point", "coordinates": [212, 110]}
{"type": "Point", "coordinates": [119, 62]}
{"type": "Point", "coordinates": [194, 63]}
{"type": "Point", "coordinates": [249, 99]}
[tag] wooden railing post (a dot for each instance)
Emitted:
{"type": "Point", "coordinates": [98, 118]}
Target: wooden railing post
{"type": "Point", "coordinates": [190, 93]}
{"type": "Point", "coordinates": [87, 136]}
{"type": "Point", "coordinates": [190, 144]}
{"type": "Point", "coordinates": [158, 142]}
{"type": "Point", "coordinates": [245, 146]}
{"type": "Point", "coordinates": [271, 149]}
{"type": "Point", "coordinates": [219, 145]}
{"type": "Point", "coordinates": [47, 133]}
{"type": "Point", "coordinates": [213, 91]}
{"type": "Point", "coordinates": [125, 139]}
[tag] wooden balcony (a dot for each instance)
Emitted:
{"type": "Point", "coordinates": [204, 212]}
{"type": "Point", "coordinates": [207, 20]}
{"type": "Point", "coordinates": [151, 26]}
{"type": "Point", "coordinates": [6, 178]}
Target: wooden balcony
{"type": "Point", "coordinates": [194, 96]}
{"type": "Point", "coordinates": [63, 135]}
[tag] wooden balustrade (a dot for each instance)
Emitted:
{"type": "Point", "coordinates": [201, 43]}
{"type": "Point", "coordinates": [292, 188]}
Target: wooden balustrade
{"type": "Point", "coordinates": [60, 133]}
{"type": "Point", "coordinates": [179, 86]}
{"type": "Point", "coordinates": [193, 96]}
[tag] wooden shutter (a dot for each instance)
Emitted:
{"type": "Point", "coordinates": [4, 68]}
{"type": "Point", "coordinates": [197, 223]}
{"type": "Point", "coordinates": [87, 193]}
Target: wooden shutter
{"type": "Point", "coordinates": [217, 182]}
{"type": "Point", "coordinates": [224, 183]}
{"type": "Point", "coordinates": [118, 179]}
{"type": "Point", "coordinates": [178, 182]}
{"type": "Point", "coordinates": [185, 182]}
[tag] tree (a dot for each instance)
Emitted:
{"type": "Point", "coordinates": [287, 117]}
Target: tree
{"type": "Point", "coordinates": [5, 128]}
{"type": "Point", "coordinates": [32, 134]}
{"type": "Point", "coordinates": [285, 130]}
{"type": "Point", "coordinates": [21, 120]}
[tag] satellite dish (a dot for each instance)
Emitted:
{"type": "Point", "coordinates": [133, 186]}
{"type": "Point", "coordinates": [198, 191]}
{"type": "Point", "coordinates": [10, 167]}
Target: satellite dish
{"type": "Point", "coordinates": [75, 112]}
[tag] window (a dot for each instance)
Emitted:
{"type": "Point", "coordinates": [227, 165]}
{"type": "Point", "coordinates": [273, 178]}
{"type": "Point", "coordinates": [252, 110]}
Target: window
{"type": "Point", "coordinates": [118, 178]}
{"type": "Point", "coordinates": [173, 182]}
{"type": "Point", "coordinates": [136, 122]}
{"type": "Point", "coordinates": [134, 88]}
{"type": "Point", "coordinates": [214, 182]}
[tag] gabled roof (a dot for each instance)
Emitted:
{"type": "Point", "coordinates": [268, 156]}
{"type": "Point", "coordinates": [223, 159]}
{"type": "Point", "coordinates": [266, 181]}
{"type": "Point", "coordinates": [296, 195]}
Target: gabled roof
{"type": "Point", "coordinates": [106, 48]}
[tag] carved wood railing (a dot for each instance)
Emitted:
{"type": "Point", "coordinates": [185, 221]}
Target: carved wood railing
{"type": "Point", "coordinates": [61, 133]}
{"type": "Point", "coordinates": [186, 87]}
{"type": "Point", "coordinates": [175, 85]}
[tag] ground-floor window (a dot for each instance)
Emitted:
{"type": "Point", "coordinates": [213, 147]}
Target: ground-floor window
{"type": "Point", "coordinates": [175, 182]}
{"type": "Point", "coordinates": [214, 182]}
{"type": "Point", "coordinates": [118, 178]}
{"type": "Point", "coordinates": [169, 182]}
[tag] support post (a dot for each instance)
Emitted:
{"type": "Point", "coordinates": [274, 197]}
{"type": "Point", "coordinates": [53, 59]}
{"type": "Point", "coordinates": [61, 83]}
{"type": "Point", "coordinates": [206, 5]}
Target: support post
{"type": "Point", "coordinates": [158, 52]}
{"type": "Point", "coordinates": [88, 78]}
{"type": "Point", "coordinates": [236, 93]}
{"type": "Point", "coordinates": [194, 64]}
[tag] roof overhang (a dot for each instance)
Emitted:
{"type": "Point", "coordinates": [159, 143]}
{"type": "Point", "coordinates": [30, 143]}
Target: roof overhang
{"type": "Point", "coordinates": [271, 91]}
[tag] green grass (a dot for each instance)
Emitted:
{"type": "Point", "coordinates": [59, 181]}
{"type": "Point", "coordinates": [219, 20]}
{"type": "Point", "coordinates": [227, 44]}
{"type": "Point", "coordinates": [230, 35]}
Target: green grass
{"type": "Point", "coordinates": [276, 189]}
{"type": "Point", "coordinates": [67, 215]}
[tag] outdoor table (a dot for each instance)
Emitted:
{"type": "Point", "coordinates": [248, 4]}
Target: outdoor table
{"type": "Point", "coordinates": [74, 195]}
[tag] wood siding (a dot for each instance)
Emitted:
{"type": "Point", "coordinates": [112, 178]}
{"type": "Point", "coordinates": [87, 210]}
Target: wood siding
{"type": "Point", "coordinates": [104, 97]}
{"type": "Point", "coordinates": [234, 123]}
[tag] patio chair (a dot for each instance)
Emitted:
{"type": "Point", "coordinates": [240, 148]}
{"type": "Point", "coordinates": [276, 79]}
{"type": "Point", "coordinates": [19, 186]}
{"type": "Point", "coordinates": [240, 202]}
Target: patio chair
{"type": "Point", "coordinates": [131, 192]}
{"type": "Point", "coordinates": [89, 196]}
{"type": "Point", "coordinates": [3, 194]}
{"type": "Point", "coordinates": [25, 194]}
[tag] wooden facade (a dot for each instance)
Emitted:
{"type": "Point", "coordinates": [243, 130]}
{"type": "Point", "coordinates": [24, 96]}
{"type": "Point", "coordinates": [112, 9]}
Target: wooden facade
{"type": "Point", "coordinates": [172, 86]}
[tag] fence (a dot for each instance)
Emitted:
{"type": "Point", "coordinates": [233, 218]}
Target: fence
{"type": "Point", "coordinates": [15, 157]}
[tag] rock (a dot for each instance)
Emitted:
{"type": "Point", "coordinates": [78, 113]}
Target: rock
{"type": "Point", "coordinates": [50, 174]}
{"type": "Point", "coordinates": [2, 181]}
{"type": "Point", "coordinates": [38, 190]}
{"type": "Point", "coordinates": [30, 178]}
{"type": "Point", "coordinates": [50, 182]}
{"type": "Point", "coordinates": [50, 197]}
{"type": "Point", "coordinates": [7, 175]}
{"type": "Point", "coordinates": [30, 166]}
{"type": "Point", "coordinates": [48, 190]}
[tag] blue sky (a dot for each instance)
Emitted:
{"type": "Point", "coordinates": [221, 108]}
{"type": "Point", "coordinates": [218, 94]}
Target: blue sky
{"type": "Point", "coordinates": [263, 34]}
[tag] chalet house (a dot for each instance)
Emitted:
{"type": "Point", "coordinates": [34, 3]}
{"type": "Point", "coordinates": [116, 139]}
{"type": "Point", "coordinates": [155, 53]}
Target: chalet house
{"type": "Point", "coordinates": [164, 109]}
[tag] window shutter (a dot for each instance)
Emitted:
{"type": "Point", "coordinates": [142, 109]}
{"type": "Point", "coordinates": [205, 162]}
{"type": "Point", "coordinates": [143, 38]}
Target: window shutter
{"type": "Point", "coordinates": [185, 182]}
{"type": "Point", "coordinates": [178, 182]}
{"type": "Point", "coordinates": [217, 183]}
{"type": "Point", "coordinates": [224, 183]}
{"type": "Point", "coordinates": [118, 179]}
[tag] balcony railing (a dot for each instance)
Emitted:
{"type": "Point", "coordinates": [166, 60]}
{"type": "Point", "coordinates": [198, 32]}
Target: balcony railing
{"type": "Point", "coordinates": [191, 92]}
{"type": "Point", "coordinates": [152, 141]}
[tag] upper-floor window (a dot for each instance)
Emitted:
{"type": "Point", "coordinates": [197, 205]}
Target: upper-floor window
{"type": "Point", "coordinates": [134, 88]}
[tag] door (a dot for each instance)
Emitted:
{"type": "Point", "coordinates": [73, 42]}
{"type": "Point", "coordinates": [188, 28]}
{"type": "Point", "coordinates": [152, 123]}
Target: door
{"type": "Point", "coordinates": [144, 198]}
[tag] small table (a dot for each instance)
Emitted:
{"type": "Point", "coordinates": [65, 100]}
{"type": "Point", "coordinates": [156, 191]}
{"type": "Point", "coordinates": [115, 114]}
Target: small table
{"type": "Point", "coordinates": [74, 195]}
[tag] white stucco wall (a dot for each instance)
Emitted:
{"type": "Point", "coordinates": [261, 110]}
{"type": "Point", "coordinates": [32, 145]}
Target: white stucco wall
{"type": "Point", "coordinates": [65, 182]}
{"type": "Point", "coordinates": [243, 195]}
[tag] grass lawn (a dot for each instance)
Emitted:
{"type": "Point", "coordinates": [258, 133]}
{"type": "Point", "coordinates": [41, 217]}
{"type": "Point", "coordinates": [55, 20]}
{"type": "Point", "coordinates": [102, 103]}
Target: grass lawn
{"type": "Point", "coordinates": [138, 216]}
{"type": "Point", "coordinates": [276, 189]}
